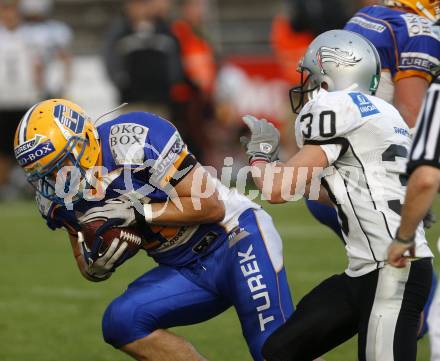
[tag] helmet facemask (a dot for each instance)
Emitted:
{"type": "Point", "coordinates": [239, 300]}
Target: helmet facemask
{"type": "Point", "coordinates": [301, 94]}
{"type": "Point", "coordinates": [63, 176]}
{"type": "Point", "coordinates": [337, 60]}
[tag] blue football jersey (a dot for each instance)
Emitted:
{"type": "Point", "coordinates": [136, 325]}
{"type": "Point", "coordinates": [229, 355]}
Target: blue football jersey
{"type": "Point", "coordinates": [408, 44]}
{"type": "Point", "coordinates": [143, 155]}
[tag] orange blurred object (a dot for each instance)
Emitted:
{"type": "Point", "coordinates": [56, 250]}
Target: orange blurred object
{"type": "Point", "coordinates": [197, 56]}
{"type": "Point", "coordinates": [289, 47]}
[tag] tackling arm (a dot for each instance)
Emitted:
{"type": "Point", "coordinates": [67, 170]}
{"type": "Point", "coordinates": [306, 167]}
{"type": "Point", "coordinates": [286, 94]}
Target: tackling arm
{"type": "Point", "coordinates": [280, 182]}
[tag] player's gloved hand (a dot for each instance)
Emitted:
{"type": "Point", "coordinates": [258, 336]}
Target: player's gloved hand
{"type": "Point", "coordinates": [100, 267]}
{"type": "Point", "coordinates": [56, 216]}
{"type": "Point", "coordinates": [429, 219]}
{"type": "Point", "coordinates": [264, 144]}
{"type": "Point", "coordinates": [117, 212]}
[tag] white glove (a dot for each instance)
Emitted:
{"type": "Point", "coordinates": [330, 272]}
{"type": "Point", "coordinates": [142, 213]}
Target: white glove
{"type": "Point", "coordinates": [264, 143]}
{"type": "Point", "coordinates": [56, 216]}
{"type": "Point", "coordinates": [103, 267]}
{"type": "Point", "coordinates": [120, 211]}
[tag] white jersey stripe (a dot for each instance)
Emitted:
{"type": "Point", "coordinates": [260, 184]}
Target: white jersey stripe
{"type": "Point", "coordinates": [417, 147]}
{"type": "Point", "coordinates": [432, 141]}
{"type": "Point", "coordinates": [271, 238]}
{"type": "Point", "coordinates": [426, 146]}
{"type": "Point", "coordinates": [426, 123]}
{"type": "Point", "coordinates": [384, 314]}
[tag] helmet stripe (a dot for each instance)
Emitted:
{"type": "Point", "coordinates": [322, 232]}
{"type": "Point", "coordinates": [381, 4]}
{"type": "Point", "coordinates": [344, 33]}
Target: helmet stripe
{"type": "Point", "coordinates": [425, 11]}
{"type": "Point", "coordinates": [23, 125]}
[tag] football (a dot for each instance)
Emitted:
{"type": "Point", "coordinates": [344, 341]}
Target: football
{"type": "Point", "coordinates": [131, 235]}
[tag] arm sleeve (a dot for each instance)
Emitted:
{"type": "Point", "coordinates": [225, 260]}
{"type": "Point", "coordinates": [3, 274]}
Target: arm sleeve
{"type": "Point", "coordinates": [421, 49]}
{"type": "Point", "coordinates": [151, 148]}
{"type": "Point", "coordinates": [332, 151]}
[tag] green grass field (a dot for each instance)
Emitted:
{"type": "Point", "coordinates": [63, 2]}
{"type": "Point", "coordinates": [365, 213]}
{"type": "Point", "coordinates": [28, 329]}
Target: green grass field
{"type": "Point", "coordinates": [48, 312]}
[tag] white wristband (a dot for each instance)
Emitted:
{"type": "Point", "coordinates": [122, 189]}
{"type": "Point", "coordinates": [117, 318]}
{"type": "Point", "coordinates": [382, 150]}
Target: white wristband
{"type": "Point", "coordinates": [148, 212]}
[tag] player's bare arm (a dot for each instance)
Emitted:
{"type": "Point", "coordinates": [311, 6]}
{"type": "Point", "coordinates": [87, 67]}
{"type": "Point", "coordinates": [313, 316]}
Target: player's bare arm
{"type": "Point", "coordinates": [278, 180]}
{"type": "Point", "coordinates": [79, 258]}
{"type": "Point", "coordinates": [422, 188]}
{"type": "Point", "coordinates": [408, 97]}
{"type": "Point", "coordinates": [423, 185]}
{"type": "Point", "coordinates": [194, 200]}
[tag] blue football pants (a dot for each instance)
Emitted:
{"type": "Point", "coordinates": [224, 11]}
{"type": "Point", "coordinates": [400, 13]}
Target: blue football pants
{"type": "Point", "coordinates": [245, 272]}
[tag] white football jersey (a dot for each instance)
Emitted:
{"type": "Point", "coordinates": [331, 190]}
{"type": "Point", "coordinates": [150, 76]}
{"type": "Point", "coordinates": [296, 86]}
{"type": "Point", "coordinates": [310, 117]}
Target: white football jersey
{"type": "Point", "coordinates": [18, 70]}
{"type": "Point", "coordinates": [367, 143]}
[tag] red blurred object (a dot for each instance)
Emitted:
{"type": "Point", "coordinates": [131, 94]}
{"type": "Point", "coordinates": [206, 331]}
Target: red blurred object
{"type": "Point", "coordinates": [289, 47]}
{"type": "Point", "coordinates": [254, 85]}
{"type": "Point", "coordinates": [263, 66]}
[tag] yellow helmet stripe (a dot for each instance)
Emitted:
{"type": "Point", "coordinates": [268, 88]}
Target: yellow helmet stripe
{"type": "Point", "coordinates": [425, 11]}
{"type": "Point", "coordinates": [23, 125]}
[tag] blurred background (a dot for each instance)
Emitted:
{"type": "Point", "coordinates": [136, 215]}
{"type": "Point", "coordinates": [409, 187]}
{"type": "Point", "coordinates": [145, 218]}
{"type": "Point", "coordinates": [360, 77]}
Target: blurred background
{"type": "Point", "coordinates": [200, 63]}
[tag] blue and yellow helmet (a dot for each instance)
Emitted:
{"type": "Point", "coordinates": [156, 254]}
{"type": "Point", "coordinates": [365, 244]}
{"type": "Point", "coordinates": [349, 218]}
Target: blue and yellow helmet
{"type": "Point", "coordinates": [53, 134]}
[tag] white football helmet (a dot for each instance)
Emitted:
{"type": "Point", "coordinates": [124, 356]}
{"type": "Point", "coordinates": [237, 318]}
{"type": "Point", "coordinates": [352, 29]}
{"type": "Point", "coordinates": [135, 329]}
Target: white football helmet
{"type": "Point", "coordinates": [337, 60]}
{"type": "Point", "coordinates": [430, 9]}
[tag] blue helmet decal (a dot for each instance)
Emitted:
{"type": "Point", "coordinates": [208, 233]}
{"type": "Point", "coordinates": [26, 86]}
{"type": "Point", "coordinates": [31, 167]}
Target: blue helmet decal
{"type": "Point", "coordinates": [33, 150]}
{"type": "Point", "coordinates": [69, 118]}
